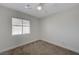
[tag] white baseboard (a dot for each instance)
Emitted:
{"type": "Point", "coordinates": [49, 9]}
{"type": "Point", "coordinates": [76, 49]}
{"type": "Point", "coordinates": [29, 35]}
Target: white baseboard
{"type": "Point", "coordinates": [58, 44]}
{"type": "Point", "coordinates": [12, 47]}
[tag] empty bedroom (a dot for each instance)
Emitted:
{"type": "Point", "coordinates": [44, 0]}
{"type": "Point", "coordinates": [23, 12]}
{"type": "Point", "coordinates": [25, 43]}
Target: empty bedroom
{"type": "Point", "coordinates": [39, 28]}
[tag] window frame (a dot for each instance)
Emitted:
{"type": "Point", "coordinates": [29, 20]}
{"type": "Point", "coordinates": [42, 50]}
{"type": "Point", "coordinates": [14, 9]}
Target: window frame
{"type": "Point", "coordinates": [22, 32]}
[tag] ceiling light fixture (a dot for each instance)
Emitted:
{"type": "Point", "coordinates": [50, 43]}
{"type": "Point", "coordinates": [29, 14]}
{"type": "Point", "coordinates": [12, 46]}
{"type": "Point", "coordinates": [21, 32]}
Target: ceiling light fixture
{"type": "Point", "coordinates": [40, 7]}
{"type": "Point", "coordinates": [28, 6]}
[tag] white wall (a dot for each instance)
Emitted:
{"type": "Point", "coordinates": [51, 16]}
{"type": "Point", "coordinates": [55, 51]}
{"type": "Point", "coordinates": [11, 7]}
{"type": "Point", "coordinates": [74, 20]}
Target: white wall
{"type": "Point", "coordinates": [62, 29]}
{"type": "Point", "coordinates": [8, 41]}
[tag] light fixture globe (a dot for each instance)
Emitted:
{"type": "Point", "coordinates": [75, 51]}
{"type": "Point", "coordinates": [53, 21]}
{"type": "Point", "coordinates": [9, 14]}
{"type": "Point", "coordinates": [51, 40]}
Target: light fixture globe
{"type": "Point", "coordinates": [39, 8]}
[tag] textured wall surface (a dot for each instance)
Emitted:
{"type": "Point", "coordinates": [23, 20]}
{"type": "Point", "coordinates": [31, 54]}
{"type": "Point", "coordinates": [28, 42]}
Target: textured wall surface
{"type": "Point", "coordinates": [62, 29]}
{"type": "Point", "coordinates": [8, 41]}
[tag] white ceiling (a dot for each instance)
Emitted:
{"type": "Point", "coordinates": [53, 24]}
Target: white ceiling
{"type": "Point", "coordinates": [48, 9]}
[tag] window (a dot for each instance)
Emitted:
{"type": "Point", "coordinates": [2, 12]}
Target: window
{"type": "Point", "coordinates": [20, 26]}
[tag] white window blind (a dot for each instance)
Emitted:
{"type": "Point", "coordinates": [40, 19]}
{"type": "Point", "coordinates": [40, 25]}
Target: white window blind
{"type": "Point", "coordinates": [20, 26]}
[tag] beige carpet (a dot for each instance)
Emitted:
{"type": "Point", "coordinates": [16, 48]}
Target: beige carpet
{"type": "Point", "coordinates": [40, 48]}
